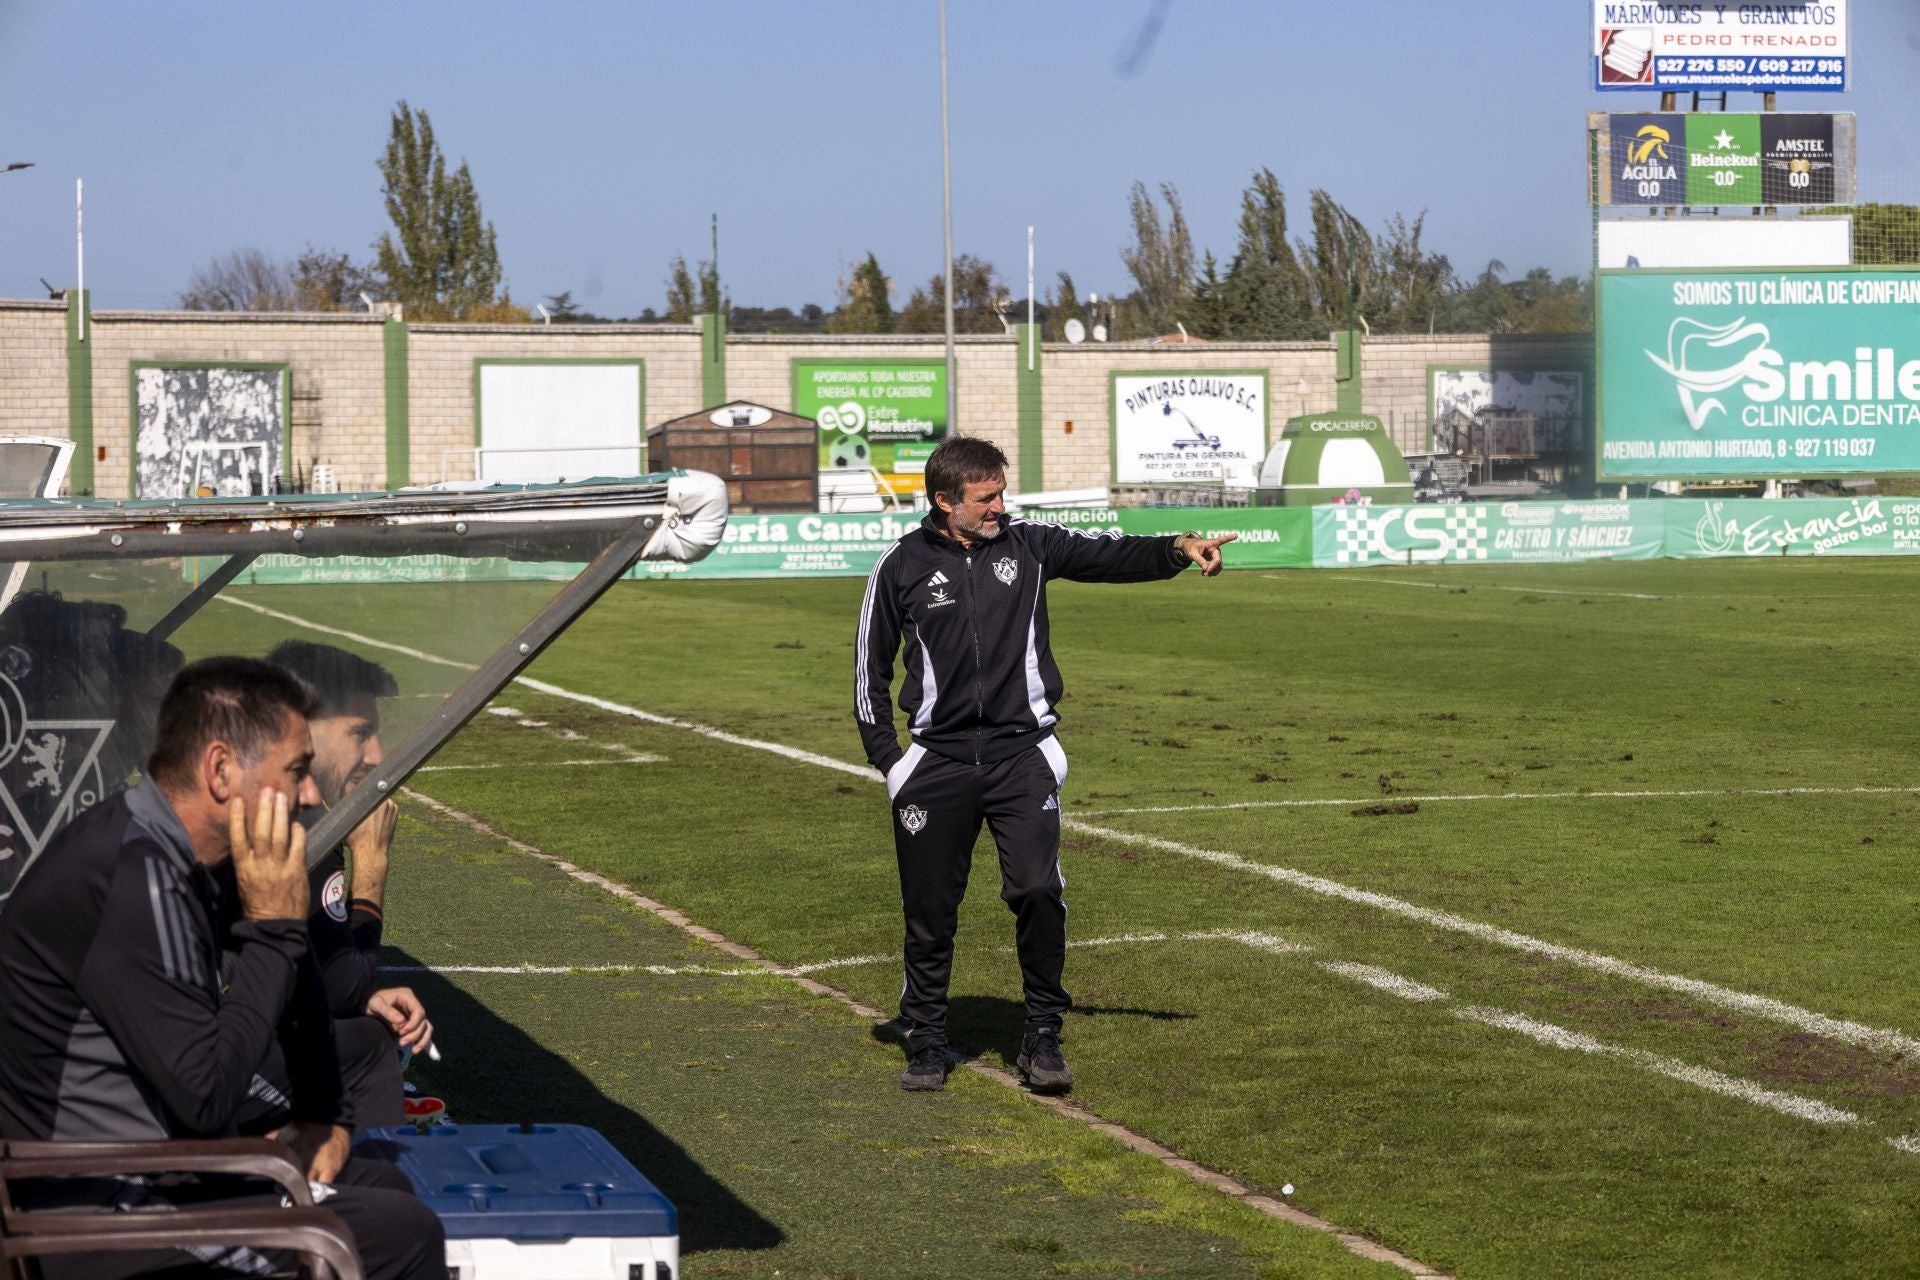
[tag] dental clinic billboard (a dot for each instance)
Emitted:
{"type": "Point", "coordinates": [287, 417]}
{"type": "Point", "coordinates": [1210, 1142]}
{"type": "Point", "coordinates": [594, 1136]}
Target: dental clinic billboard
{"type": "Point", "coordinates": [1756, 374]}
{"type": "Point", "coordinates": [1189, 427]}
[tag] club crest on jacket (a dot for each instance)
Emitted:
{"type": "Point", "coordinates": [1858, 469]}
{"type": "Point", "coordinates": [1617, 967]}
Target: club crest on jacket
{"type": "Point", "coordinates": [1006, 568]}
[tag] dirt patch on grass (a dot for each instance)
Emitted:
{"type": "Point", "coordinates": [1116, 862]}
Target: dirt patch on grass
{"type": "Point", "coordinates": [1802, 1058]}
{"type": "Point", "coordinates": [1087, 847]}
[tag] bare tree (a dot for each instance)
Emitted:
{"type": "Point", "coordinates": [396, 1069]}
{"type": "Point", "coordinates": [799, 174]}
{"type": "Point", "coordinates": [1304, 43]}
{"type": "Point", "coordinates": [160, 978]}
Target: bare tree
{"type": "Point", "coordinates": [244, 280]}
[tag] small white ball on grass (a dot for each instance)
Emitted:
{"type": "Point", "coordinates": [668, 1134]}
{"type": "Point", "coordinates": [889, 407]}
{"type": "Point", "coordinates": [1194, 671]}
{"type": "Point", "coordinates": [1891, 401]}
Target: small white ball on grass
{"type": "Point", "coordinates": [1287, 1190]}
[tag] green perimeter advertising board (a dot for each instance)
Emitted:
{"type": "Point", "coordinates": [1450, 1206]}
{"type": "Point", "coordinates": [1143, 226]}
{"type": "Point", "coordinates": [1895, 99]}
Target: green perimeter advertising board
{"type": "Point", "coordinates": [1756, 374]}
{"type": "Point", "coordinates": [884, 414]}
{"type": "Point", "coordinates": [1346, 536]}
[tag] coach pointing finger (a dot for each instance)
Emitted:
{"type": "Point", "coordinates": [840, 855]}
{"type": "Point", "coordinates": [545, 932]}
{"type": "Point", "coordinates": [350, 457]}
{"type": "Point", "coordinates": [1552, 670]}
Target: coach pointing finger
{"type": "Point", "coordinates": [963, 600]}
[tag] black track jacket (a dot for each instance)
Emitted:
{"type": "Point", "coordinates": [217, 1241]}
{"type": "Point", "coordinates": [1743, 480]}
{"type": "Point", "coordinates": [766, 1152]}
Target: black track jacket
{"type": "Point", "coordinates": [131, 1006]}
{"type": "Point", "coordinates": [980, 681]}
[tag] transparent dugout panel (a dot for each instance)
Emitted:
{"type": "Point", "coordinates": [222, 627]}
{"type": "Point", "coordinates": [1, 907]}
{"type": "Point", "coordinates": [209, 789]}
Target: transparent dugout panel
{"type": "Point", "coordinates": [415, 621]}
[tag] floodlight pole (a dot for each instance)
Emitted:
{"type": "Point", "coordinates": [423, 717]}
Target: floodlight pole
{"type": "Point", "coordinates": [1029, 299]}
{"type": "Point", "coordinates": [946, 203]}
{"type": "Point", "coordinates": [80, 252]}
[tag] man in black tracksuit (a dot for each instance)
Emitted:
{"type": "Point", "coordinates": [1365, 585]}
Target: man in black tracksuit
{"type": "Point", "coordinates": [964, 596]}
{"type": "Point", "coordinates": [135, 1002]}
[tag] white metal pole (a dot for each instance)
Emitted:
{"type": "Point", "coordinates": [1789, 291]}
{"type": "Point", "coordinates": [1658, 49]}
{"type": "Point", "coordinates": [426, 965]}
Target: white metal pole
{"type": "Point", "coordinates": [946, 200]}
{"type": "Point", "coordinates": [80, 250]}
{"type": "Point", "coordinates": [1029, 299]}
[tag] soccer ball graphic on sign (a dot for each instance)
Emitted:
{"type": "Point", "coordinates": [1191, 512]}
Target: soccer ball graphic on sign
{"type": "Point", "coordinates": [848, 451]}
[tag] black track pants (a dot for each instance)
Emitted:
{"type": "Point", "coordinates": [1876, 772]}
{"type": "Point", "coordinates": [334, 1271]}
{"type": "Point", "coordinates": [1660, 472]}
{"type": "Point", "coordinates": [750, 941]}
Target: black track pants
{"type": "Point", "coordinates": [938, 805]}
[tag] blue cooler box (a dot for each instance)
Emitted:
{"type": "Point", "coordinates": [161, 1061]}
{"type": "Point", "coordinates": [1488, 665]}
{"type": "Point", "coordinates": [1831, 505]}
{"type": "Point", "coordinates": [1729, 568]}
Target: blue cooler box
{"type": "Point", "coordinates": [536, 1202]}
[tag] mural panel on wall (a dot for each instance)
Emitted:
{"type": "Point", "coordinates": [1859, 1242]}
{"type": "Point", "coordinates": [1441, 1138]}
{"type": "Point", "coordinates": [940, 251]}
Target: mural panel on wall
{"type": "Point", "coordinates": [208, 432]}
{"type": "Point", "coordinates": [1546, 407]}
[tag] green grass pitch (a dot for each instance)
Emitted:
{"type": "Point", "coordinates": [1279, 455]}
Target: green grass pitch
{"type": "Point", "coordinates": [1532, 922]}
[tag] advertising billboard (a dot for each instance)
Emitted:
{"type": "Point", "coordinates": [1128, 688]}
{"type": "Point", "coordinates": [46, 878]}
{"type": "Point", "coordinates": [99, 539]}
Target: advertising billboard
{"type": "Point", "coordinates": [1817, 241]}
{"type": "Point", "coordinates": [1796, 45]}
{"type": "Point", "coordinates": [883, 414]}
{"type": "Point", "coordinates": [1752, 374]}
{"type": "Point", "coordinates": [1189, 427]}
{"type": "Point", "coordinates": [1724, 158]}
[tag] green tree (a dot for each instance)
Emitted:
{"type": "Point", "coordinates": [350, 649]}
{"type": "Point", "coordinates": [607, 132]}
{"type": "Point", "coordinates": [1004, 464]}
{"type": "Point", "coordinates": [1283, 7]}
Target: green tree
{"type": "Point", "coordinates": [864, 303]}
{"type": "Point", "coordinates": [440, 260]}
{"type": "Point", "coordinates": [1883, 234]}
{"type": "Point", "coordinates": [1337, 263]}
{"type": "Point", "coordinates": [1264, 296]}
{"type": "Point", "coordinates": [1160, 258]}
{"type": "Point", "coordinates": [1406, 285]}
{"type": "Point", "coordinates": [1063, 304]}
{"type": "Point", "coordinates": [693, 292]}
{"type": "Point", "coordinates": [976, 287]}
{"type": "Point", "coordinates": [324, 280]}
{"type": "Point", "coordinates": [683, 295]}
{"type": "Point", "coordinates": [1207, 314]}
{"type": "Point", "coordinates": [713, 299]}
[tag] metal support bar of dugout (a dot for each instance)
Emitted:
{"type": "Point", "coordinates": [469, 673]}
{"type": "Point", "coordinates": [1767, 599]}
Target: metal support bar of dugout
{"type": "Point", "coordinates": [479, 688]}
{"type": "Point", "coordinates": [209, 587]}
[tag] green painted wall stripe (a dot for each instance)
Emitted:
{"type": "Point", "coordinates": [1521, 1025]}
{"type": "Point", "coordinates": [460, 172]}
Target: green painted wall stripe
{"type": "Point", "coordinates": [399, 423]}
{"type": "Point", "coordinates": [713, 360]}
{"type": "Point", "coordinates": [1032, 452]}
{"type": "Point", "coordinates": [1347, 373]}
{"type": "Point", "coordinates": [80, 391]}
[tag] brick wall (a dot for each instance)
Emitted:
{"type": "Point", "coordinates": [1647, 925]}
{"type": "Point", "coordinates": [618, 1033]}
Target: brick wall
{"type": "Point", "coordinates": [1395, 370]}
{"type": "Point", "coordinates": [987, 396]}
{"type": "Point", "coordinates": [1078, 385]}
{"type": "Point", "coordinates": [339, 394]}
{"type": "Point", "coordinates": [33, 369]}
{"type": "Point", "coordinates": [440, 378]}
{"type": "Point", "coordinates": [338, 410]}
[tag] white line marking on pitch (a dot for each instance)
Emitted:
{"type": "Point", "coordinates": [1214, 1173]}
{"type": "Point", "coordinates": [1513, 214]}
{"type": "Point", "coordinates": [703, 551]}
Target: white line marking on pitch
{"type": "Point", "coordinates": [658, 970]}
{"type": "Point", "coordinates": [1398, 798]}
{"type": "Point", "coordinates": [555, 970]}
{"type": "Point", "coordinates": [1448, 586]}
{"type": "Point", "coordinates": [627, 755]}
{"type": "Point", "coordinates": [636, 758]}
{"type": "Point", "coordinates": [1120, 1133]}
{"type": "Point", "coordinates": [554, 690]}
{"type": "Point", "coordinates": [1700, 1077]}
{"type": "Point", "coordinates": [1840, 1029]}
{"type": "Point", "coordinates": [1760, 1006]}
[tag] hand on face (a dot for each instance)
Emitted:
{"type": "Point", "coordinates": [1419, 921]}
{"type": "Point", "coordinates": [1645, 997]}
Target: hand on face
{"type": "Point", "coordinates": [404, 1015]}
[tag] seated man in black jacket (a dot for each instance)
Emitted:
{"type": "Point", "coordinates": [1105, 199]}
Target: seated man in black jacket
{"type": "Point", "coordinates": [346, 916]}
{"type": "Point", "coordinates": [134, 1005]}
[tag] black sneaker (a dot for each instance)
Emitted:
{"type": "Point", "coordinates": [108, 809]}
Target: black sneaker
{"type": "Point", "coordinates": [926, 1070]}
{"type": "Point", "coordinates": [1041, 1065]}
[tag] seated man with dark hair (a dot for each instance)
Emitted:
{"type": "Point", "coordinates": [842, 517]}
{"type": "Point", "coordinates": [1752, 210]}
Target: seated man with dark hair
{"type": "Point", "coordinates": [347, 916]}
{"type": "Point", "coordinates": [135, 1004]}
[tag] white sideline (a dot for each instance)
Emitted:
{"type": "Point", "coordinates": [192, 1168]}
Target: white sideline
{"type": "Point", "coordinates": [1448, 586]}
{"type": "Point", "coordinates": [1700, 1077]}
{"type": "Point", "coordinates": [636, 758]}
{"type": "Point", "coordinates": [1838, 1029]}
{"type": "Point", "coordinates": [553, 690]}
{"type": "Point", "coordinates": [1399, 798]}
{"type": "Point", "coordinates": [1879, 1038]}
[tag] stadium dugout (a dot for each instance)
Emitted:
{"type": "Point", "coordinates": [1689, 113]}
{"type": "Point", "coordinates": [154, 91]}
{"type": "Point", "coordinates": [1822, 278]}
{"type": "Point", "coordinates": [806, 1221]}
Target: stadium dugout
{"type": "Point", "coordinates": [454, 591]}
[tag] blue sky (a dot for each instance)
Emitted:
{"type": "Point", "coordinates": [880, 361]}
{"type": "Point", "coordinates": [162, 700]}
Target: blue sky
{"type": "Point", "coordinates": [601, 136]}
